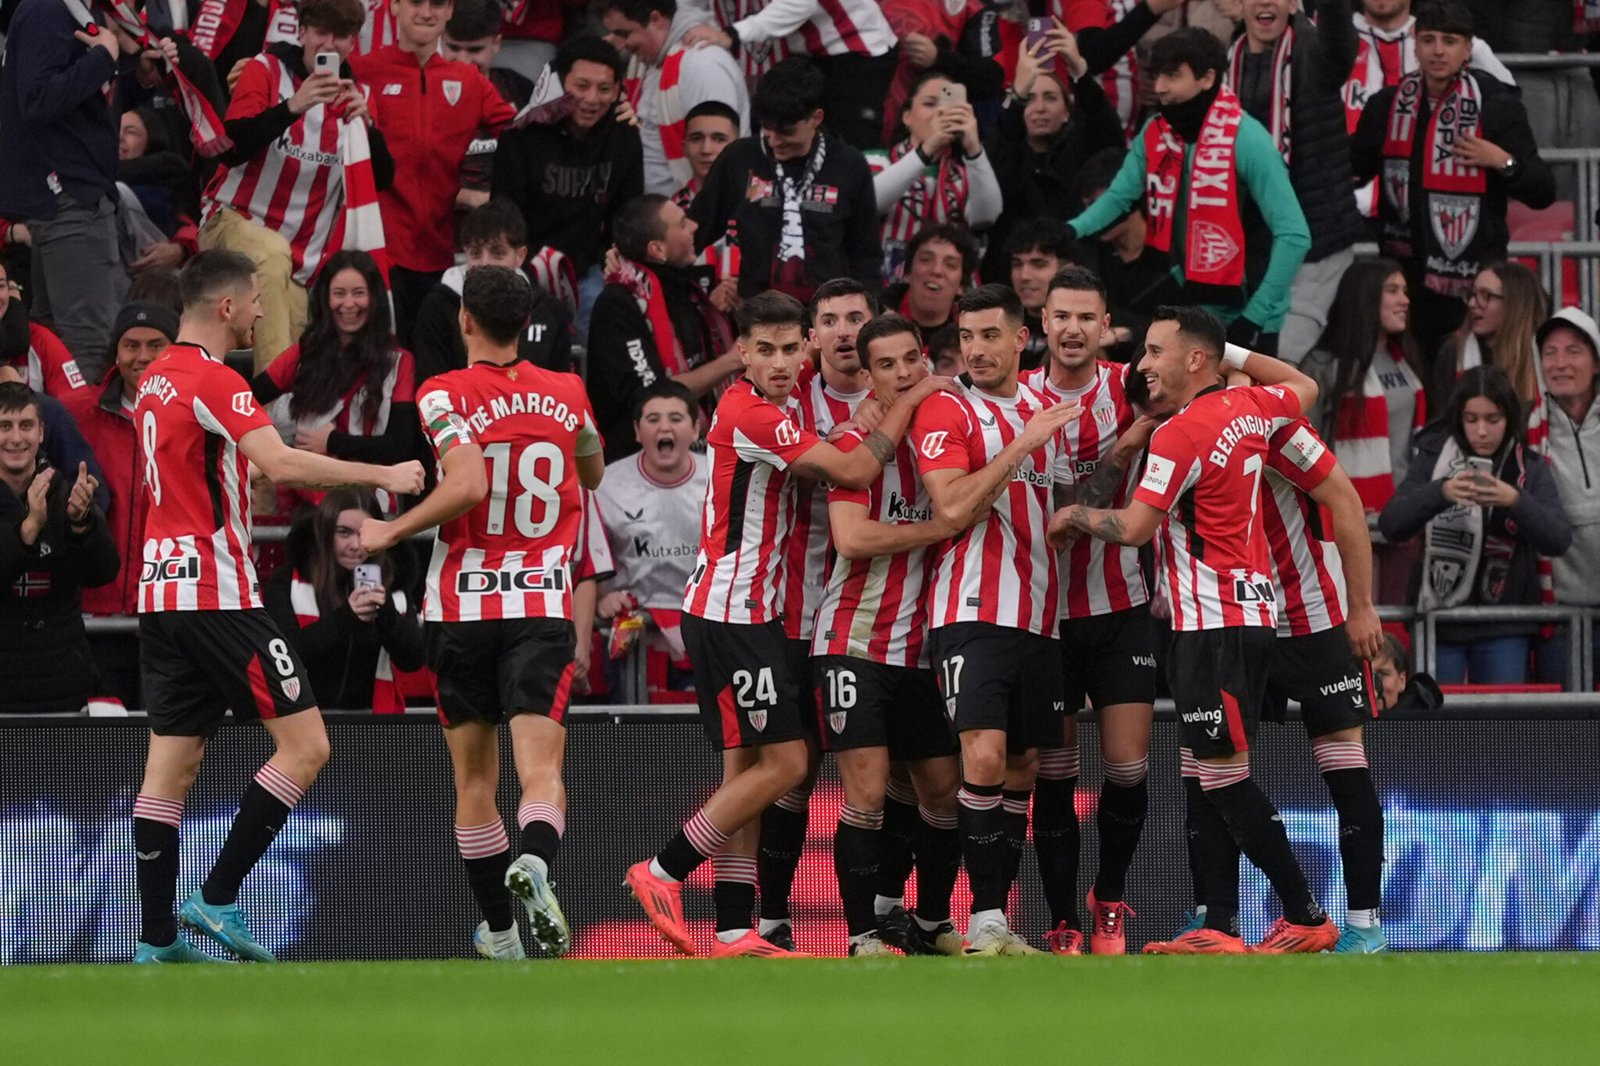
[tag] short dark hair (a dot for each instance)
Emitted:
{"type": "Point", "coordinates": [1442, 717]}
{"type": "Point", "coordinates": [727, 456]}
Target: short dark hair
{"type": "Point", "coordinates": [15, 396]}
{"type": "Point", "coordinates": [594, 49]}
{"type": "Point", "coordinates": [888, 324]}
{"type": "Point", "coordinates": [1446, 16]}
{"type": "Point", "coordinates": [1048, 235]}
{"type": "Point", "coordinates": [1078, 279]}
{"type": "Point", "coordinates": [1099, 169]}
{"type": "Point", "coordinates": [639, 10]}
{"type": "Point", "coordinates": [1494, 385]}
{"type": "Point", "coordinates": [637, 223]}
{"type": "Point", "coordinates": [1397, 653]}
{"type": "Point", "coordinates": [946, 338]}
{"type": "Point", "coordinates": [473, 20]}
{"type": "Point", "coordinates": [500, 301]}
{"type": "Point", "coordinates": [788, 93]}
{"type": "Point", "coordinates": [663, 389]}
{"type": "Point", "coordinates": [712, 109]}
{"type": "Point", "coordinates": [987, 298]}
{"type": "Point", "coordinates": [486, 223]}
{"type": "Point", "coordinates": [837, 287]}
{"type": "Point", "coordinates": [1194, 48]}
{"type": "Point", "coordinates": [770, 308]}
{"type": "Point", "coordinates": [157, 287]}
{"type": "Point", "coordinates": [214, 273]}
{"type": "Point", "coordinates": [1204, 329]}
{"type": "Point", "coordinates": [342, 18]}
{"type": "Point", "coordinates": [951, 233]}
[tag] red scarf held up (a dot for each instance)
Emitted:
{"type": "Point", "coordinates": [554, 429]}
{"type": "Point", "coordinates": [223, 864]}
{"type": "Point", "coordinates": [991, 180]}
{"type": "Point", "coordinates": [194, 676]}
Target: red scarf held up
{"type": "Point", "coordinates": [1214, 241]}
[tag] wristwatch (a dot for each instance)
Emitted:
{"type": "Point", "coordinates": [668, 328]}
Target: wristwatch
{"type": "Point", "coordinates": [1509, 166]}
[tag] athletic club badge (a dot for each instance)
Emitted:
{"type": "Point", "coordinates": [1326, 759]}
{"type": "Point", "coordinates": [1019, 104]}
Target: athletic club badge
{"type": "Point", "coordinates": [1455, 222]}
{"type": "Point", "coordinates": [291, 688]}
{"type": "Point", "coordinates": [758, 718]}
{"type": "Point", "coordinates": [1213, 246]}
{"type": "Point", "coordinates": [452, 92]}
{"type": "Point", "coordinates": [836, 721]}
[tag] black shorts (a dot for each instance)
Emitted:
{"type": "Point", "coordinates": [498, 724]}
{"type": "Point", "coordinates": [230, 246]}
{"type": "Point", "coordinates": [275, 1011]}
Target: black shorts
{"type": "Point", "coordinates": [747, 695]}
{"type": "Point", "coordinates": [1218, 678]}
{"type": "Point", "coordinates": [995, 677]}
{"type": "Point", "coordinates": [1109, 658]}
{"type": "Point", "coordinates": [492, 670]}
{"type": "Point", "coordinates": [869, 705]}
{"type": "Point", "coordinates": [196, 665]}
{"type": "Point", "coordinates": [805, 683]}
{"type": "Point", "coordinates": [1332, 686]}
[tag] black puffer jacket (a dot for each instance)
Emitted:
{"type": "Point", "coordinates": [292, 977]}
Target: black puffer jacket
{"type": "Point", "coordinates": [1319, 163]}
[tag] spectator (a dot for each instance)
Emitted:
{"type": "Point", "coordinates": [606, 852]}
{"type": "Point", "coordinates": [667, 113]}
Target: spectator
{"type": "Point", "coordinates": [709, 128]}
{"type": "Point", "coordinates": [353, 618]}
{"type": "Point", "coordinates": [280, 195]}
{"type": "Point", "coordinates": [158, 287]}
{"type": "Point", "coordinates": [1370, 401]}
{"type": "Point", "coordinates": [651, 504]}
{"type": "Point", "coordinates": [1228, 216]}
{"type": "Point", "coordinates": [942, 37]}
{"type": "Point", "coordinates": [473, 36]}
{"type": "Point", "coordinates": [1115, 35]}
{"type": "Point", "coordinates": [849, 41]}
{"type": "Point", "coordinates": [1504, 309]}
{"type": "Point", "coordinates": [38, 355]}
{"type": "Point", "coordinates": [144, 87]}
{"type": "Point", "coordinates": [940, 260]}
{"type": "Point", "coordinates": [346, 389]}
{"type": "Point", "coordinates": [1569, 351]}
{"type": "Point", "coordinates": [1049, 126]}
{"type": "Point", "coordinates": [1485, 525]}
{"type": "Point", "coordinates": [1038, 249]}
{"type": "Point", "coordinates": [532, 31]}
{"type": "Point", "coordinates": [801, 197]}
{"type": "Point", "coordinates": [64, 446]}
{"type": "Point", "coordinates": [141, 332]}
{"type": "Point", "coordinates": [673, 79]}
{"type": "Point", "coordinates": [944, 352]}
{"type": "Point", "coordinates": [936, 172]}
{"type": "Point", "coordinates": [570, 177]}
{"type": "Point", "coordinates": [493, 235]}
{"type": "Point", "coordinates": [432, 131]}
{"type": "Point", "coordinates": [1288, 72]}
{"type": "Point", "coordinates": [1451, 147]}
{"type": "Point", "coordinates": [1561, 103]}
{"type": "Point", "coordinates": [1138, 278]}
{"type": "Point", "coordinates": [162, 181]}
{"type": "Point", "coordinates": [1396, 684]}
{"type": "Point", "coordinates": [53, 544]}
{"type": "Point", "coordinates": [655, 298]}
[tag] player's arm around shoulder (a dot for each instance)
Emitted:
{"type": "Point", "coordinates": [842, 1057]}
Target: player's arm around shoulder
{"type": "Point", "coordinates": [1265, 370]}
{"type": "Point", "coordinates": [857, 535]}
{"type": "Point", "coordinates": [860, 466]}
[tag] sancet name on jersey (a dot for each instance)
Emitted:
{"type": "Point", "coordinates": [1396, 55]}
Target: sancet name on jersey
{"type": "Point", "coordinates": [158, 386]}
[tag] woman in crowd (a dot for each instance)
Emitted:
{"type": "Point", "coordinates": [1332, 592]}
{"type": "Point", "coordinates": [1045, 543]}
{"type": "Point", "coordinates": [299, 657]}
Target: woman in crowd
{"type": "Point", "coordinates": [1505, 307]}
{"type": "Point", "coordinates": [163, 182]}
{"type": "Point", "coordinates": [346, 389]}
{"type": "Point", "coordinates": [1371, 402]}
{"type": "Point", "coordinates": [352, 617]}
{"type": "Point", "coordinates": [936, 172]}
{"type": "Point", "coordinates": [1487, 506]}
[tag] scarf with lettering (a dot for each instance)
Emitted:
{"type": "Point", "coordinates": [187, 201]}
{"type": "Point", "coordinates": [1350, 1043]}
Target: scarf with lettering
{"type": "Point", "coordinates": [1464, 549]}
{"type": "Point", "coordinates": [645, 286]}
{"type": "Point", "coordinates": [387, 697]}
{"type": "Point", "coordinates": [939, 195]}
{"type": "Point", "coordinates": [214, 24]}
{"type": "Point", "coordinates": [792, 193]}
{"type": "Point", "coordinates": [1454, 190]}
{"type": "Point", "coordinates": [1282, 81]}
{"type": "Point", "coordinates": [1213, 244]}
{"type": "Point", "coordinates": [206, 131]}
{"type": "Point", "coordinates": [1360, 434]}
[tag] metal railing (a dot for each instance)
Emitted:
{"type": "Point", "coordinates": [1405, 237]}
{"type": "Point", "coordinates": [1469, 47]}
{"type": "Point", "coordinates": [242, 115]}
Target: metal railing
{"type": "Point", "coordinates": [1577, 620]}
{"type": "Point", "coordinates": [1548, 60]}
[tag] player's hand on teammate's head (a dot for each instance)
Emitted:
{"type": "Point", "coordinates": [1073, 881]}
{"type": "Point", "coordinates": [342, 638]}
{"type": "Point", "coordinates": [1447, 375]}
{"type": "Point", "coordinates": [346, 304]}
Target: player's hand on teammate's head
{"type": "Point", "coordinates": [404, 479]}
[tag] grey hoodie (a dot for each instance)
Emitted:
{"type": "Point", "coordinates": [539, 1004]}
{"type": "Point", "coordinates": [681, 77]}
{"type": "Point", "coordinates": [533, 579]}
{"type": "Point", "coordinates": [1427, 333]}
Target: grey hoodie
{"type": "Point", "coordinates": [1574, 453]}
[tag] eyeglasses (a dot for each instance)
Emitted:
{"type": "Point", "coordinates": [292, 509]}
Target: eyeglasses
{"type": "Point", "coordinates": [1484, 296]}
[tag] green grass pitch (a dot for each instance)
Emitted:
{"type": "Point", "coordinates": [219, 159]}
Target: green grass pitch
{"type": "Point", "coordinates": [1294, 1011]}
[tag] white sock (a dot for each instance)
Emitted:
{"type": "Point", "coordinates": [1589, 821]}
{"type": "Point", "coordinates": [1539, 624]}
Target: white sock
{"type": "Point", "coordinates": [994, 917]}
{"type": "Point", "coordinates": [657, 871]}
{"type": "Point", "coordinates": [767, 925]}
{"type": "Point", "coordinates": [924, 925]}
{"type": "Point", "coordinates": [728, 936]}
{"type": "Point", "coordinates": [881, 905]}
{"type": "Point", "coordinates": [1361, 919]}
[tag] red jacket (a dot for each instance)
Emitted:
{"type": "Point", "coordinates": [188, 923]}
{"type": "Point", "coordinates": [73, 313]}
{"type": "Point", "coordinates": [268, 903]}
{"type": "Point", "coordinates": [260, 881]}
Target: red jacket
{"type": "Point", "coordinates": [110, 433]}
{"type": "Point", "coordinates": [429, 114]}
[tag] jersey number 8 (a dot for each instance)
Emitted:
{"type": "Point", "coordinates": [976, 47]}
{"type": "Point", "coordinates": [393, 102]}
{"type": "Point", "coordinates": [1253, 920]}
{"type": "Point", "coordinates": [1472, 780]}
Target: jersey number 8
{"type": "Point", "coordinates": [152, 476]}
{"type": "Point", "coordinates": [533, 486]}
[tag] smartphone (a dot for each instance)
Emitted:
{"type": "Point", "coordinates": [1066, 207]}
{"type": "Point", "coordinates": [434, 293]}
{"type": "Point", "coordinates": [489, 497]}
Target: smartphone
{"type": "Point", "coordinates": [952, 94]}
{"type": "Point", "coordinates": [1038, 30]}
{"type": "Point", "coordinates": [328, 61]}
{"type": "Point", "coordinates": [1481, 466]}
{"type": "Point", "coordinates": [369, 576]}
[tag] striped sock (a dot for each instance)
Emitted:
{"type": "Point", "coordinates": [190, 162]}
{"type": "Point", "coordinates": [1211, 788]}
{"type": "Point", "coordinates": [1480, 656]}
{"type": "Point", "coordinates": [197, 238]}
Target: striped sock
{"type": "Point", "coordinates": [487, 852]}
{"type": "Point", "coordinates": [692, 845]}
{"type": "Point", "coordinates": [783, 838]}
{"type": "Point", "coordinates": [855, 864]}
{"type": "Point", "coordinates": [155, 849]}
{"type": "Point", "coordinates": [984, 844]}
{"type": "Point", "coordinates": [937, 843]}
{"type": "Point", "coordinates": [733, 891]}
{"type": "Point", "coordinates": [1124, 801]}
{"type": "Point", "coordinates": [543, 825]}
{"type": "Point", "coordinates": [263, 809]}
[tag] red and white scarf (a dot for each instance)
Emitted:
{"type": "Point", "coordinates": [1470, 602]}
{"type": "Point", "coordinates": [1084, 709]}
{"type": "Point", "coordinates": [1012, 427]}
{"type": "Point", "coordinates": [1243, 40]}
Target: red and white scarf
{"type": "Point", "coordinates": [1282, 77]}
{"type": "Point", "coordinates": [363, 221]}
{"type": "Point", "coordinates": [1455, 190]}
{"type": "Point", "coordinates": [939, 196]}
{"type": "Point", "coordinates": [672, 116]}
{"type": "Point", "coordinates": [642, 282]}
{"type": "Point", "coordinates": [205, 125]}
{"type": "Point", "coordinates": [1360, 435]}
{"type": "Point", "coordinates": [1214, 241]}
{"type": "Point", "coordinates": [387, 696]}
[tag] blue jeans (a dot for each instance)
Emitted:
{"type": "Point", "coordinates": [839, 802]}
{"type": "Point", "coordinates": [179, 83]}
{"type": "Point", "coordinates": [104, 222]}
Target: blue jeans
{"type": "Point", "coordinates": [589, 286]}
{"type": "Point", "coordinates": [1495, 661]}
{"type": "Point", "coordinates": [1551, 657]}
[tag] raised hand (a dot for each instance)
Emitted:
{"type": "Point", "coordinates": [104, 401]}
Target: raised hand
{"type": "Point", "coordinates": [81, 499]}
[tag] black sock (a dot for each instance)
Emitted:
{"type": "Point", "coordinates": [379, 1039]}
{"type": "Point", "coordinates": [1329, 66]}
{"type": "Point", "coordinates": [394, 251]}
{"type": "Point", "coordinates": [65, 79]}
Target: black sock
{"type": "Point", "coordinates": [735, 902]}
{"type": "Point", "coordinates": [938, 851]}
{"type": "Point", "coordinates": [855, 863]}
{"type": "Point", "coordinates": [1192, 799]}
{"type": "Point", "coordinates": [1259, 832]}
{"type": "Point", "coordinates": [1360, 835]}
{"type": "Point", "coordinates": [783, 837]}
{"type": "Point", "coordinates": [896, 846]}
{"type": "Point", "coordinates": [539, 838]}
{"type": "Point", "coordinates": [1056, 842]}
{"type": "Point", "coordinates": [680, 858]}
{"type": "Point", "coordinates": [487, 876]}
{"type": "Point", "coordinates": [1120, 821]}
{"type": "Point", "coordinates": [1217, 857]}
{"type": "Point", "coordinates": [155, 847]}
{"type": "Point", "coordinates": [985, 844]}
{"type": "Point", "coordinates": [261, 815]}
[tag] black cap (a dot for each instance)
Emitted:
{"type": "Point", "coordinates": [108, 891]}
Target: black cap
{"type": "Point", "coordinates": [150, 315]}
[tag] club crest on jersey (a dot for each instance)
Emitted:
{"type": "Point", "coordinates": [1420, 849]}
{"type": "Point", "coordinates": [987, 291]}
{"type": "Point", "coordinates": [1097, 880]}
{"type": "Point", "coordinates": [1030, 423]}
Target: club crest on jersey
{"type": "Point", "coordinates": [291, 688]}
{"type": "Point", "coordinates": [758, 718]}
{"type": "Point", "coordinates": [933, 444]}
{"type": "Point", "coordinates": [244, 403]}
{"type": "Point", "coordinates": [452, 92]}
{"type": "Point", "coordinates": [836, 720]}
{"type": "Point", "coordinates": [1105, 415]}
{"type": "Point", "coordinates": [787, 433]}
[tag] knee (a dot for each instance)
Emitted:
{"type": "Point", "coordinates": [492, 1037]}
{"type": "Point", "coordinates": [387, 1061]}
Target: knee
{"type": "Point", "coordinates": [789, 763]}
{"type": "Point", "coordinates": [984, 766]}
{"type": "Point", "coordinates": [308, 754]}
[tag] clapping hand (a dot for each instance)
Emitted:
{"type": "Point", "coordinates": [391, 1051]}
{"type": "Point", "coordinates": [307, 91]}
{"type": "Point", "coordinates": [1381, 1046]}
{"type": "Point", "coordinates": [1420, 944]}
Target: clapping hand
{"type": "Point", "coordinates": [81, 499]}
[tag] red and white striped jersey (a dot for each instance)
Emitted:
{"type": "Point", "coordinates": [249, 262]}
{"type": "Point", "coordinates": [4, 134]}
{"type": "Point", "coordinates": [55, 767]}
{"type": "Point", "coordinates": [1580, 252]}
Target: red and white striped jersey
{"type": "Point", "coordinates": [296, 186]}
{"type": "Point", "coordinates": [591, 559]}
{"type": "Point", "coordinates": [192, 410]}
{"type": "Point", "coordinates": [1097, 577]}
{"type": "Point", "coordinates": [817, 27]}
{"type": "Point", "coordinates": [511, 556]}
{"type": "Point", "coordinates": [1120, 83]}
{"type": "Point", "coordinates": [1306, 568]}
{"type": "Point", "coordinates": [1000, 571]}
{"type": "Point", "coordinates": [739, 574]}
{"type": "Point", "coordinates": [47, 366]}
{"type": "Point", "coordinates": [1204, 468]}
{"type": "Point", "coordinates": [819, 408]}
{"type": "Point", "coordinates": [877, 609]}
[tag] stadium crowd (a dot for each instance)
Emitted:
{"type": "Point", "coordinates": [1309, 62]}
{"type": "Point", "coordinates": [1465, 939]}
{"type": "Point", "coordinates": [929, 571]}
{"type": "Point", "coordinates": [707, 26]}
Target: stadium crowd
{"type": "Point", "coordinates": [687, 189]}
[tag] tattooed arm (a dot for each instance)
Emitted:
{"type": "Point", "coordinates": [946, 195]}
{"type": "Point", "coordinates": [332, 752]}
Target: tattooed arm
{"type": "Point", "coordinates": [1134, 524]}
{"type": "Point", "coordinates": [859, 467]}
